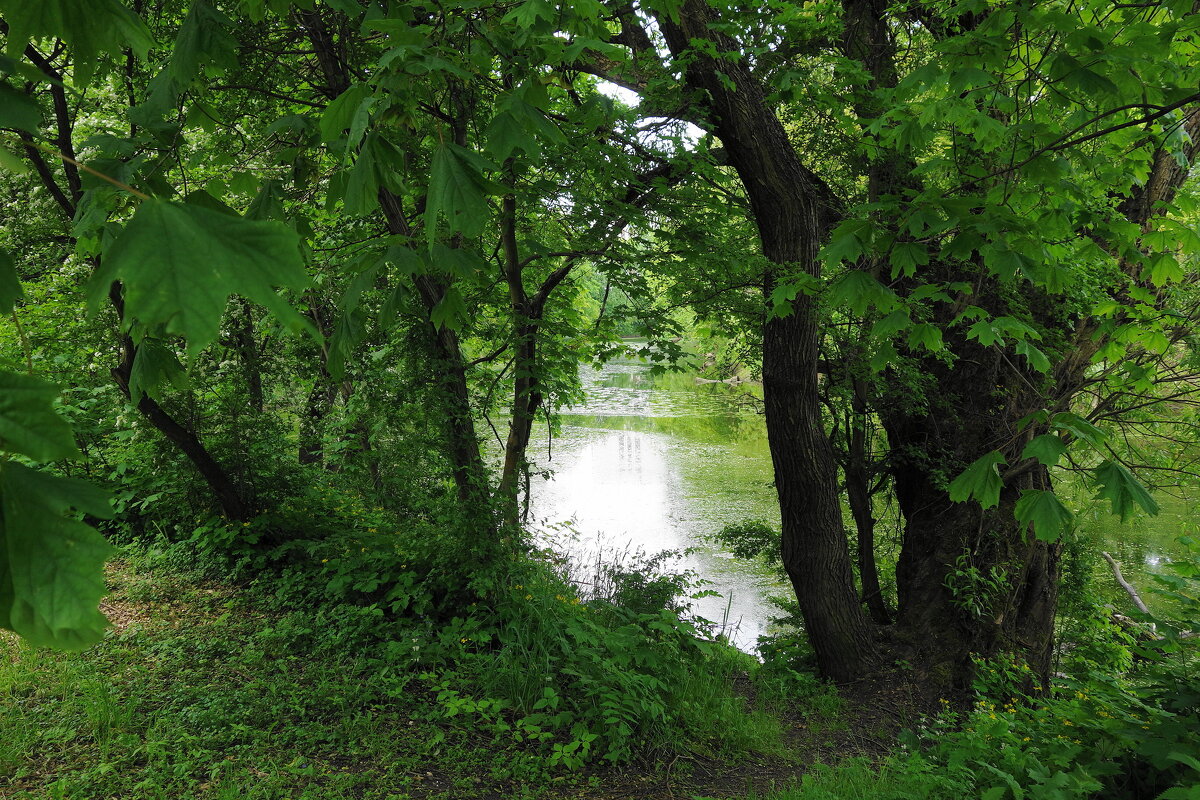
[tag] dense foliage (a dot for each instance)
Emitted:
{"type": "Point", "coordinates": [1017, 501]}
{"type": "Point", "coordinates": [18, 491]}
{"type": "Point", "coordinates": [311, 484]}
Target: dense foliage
{"type": "Point", "coordinates": [272, 266]}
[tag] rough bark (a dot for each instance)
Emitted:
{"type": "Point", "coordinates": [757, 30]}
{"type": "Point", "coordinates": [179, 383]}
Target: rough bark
{"type": "Point", "coordinates": [794, 211]}
{"type": "Point", "coordinates": [970, 582]}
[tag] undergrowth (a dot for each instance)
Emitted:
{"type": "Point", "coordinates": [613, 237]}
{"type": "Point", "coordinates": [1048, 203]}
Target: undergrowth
{"type": "Point", "coordinates": [347, 661]}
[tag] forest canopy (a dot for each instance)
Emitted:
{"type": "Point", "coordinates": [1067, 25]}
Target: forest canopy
{"type": "Point", "coordinates": [247, 246]}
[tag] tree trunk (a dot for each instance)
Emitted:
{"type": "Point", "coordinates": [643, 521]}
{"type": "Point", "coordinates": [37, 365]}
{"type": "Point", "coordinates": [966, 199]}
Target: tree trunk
{"type": "Point", "coordinates": [527, 399]}
{"type": "Point", "coordinates": [970, 582]}
{"type": "Point", "coordinates": [320, 401]}
{"type": "Point", "coordinates": [794, 210]}
{"type": "Point", "coordinates": [470, 476]}
{"type": "Point", "coordinates": [230, 496]}
{"type": "Point", "coordinates": [814, 548]}
{"type": "Point", "coordinates": [450, 367]}
{"type": "Point", "coordinates": [527, 392]}
{"type": "Point", "coordinates": [858, 494]}
{"type": "Point", "coordinates": [250, 358]}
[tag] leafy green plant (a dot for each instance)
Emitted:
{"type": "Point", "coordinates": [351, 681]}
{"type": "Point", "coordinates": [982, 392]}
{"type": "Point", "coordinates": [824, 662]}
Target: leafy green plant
{"type": "Point", "coordinates": [751, 539]}
{"type": "Point", "coordinates": [975, 590]}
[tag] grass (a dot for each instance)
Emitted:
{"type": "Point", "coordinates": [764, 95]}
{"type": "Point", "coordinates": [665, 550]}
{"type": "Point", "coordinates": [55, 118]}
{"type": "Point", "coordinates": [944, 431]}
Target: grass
{"type": "Point", "coordinates": [195, 694]}
{"type": "Point", "coordinates": [201, 692]}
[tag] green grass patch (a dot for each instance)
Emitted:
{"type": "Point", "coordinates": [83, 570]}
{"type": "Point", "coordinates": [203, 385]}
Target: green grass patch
{"type": "Point", "coordinates": [204, 691]}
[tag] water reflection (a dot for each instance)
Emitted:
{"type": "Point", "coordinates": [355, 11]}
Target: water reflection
{"type": "Point", "coordinates": [657, 462]}
{"type": "Point", "coordinates": [1143, 546]}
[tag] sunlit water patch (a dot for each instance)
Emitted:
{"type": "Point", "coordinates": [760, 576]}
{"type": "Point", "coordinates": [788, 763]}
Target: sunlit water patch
{"type": "Point", "coordinates": [658, 462]}
{"type": "Point", "coordinates": [650, 463]}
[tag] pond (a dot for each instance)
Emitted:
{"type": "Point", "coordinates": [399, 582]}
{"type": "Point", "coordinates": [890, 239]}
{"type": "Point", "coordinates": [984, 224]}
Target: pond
{"type": "Point", "coordinates": [661, 462]}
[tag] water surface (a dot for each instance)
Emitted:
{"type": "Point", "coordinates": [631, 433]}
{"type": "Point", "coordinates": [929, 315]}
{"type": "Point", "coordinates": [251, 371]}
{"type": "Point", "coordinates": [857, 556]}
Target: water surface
{"type": "Point", "coordinates": [659, 462]}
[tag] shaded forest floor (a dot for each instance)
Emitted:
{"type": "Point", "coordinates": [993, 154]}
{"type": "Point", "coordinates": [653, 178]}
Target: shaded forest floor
{"type": "Point", "coordinates": [198, 693]}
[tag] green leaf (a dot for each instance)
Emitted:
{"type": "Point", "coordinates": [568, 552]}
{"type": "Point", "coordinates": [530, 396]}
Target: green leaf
{"type": "Point", "coordinates": [366, 272]}
{"type": "Point", "coordinates": [51, 566]}
{"type": "Point", "coordinates": [858, 290]}
{"type": "Point", "coordinates": [893, 323]}
{"type": "Point", "coordinates": [927, 336]}
{"type": "Point", "coordinates": [18, 110]}
{"type": "Point", "coordinates": [155, 366]}
{"type": "Point", "coordinates": [389, 313]}
{"type": "Point", "coordinates": [268, 204]}
{"type": "Point", "coordinates": [1046, 448]}
{"type": "Point", "coordinates": [405, 259]}
{"type": "Point", "coordinates": [1003, 262]}
{"type": "Point", "coordinates": [460, 262]}
{"type": "Point", "coordinates": [351, 8]}
{"type": "Point", "coordinates": [204, 40]}
{"type": "Point", "coordinates": [528, 14]}
{"type": "Point", "coordinates": [340, 115]}
{"type": "Point", "coordinates": [1045, 512]}
{"type": "Point", "coordinates": [90, 27]}
{"type": "Point", "coordinates": [884, 356]}
{"type": "Point", "coordinates": [458, 190]}
{"type": "Point", "coordinates": [360, 185]}
{"type": "Point", "coordinates": [980, 481]}
{"type": "Point", "coordinates": [1091, 83]}
{"type": "Point", "coordinates": [1118, 486]}
{"type": "Point", "coordinates": [1079, 427]}
{"type": "Point", "coordinates": [984, 333]}
{"type": "Point", "coordinates": [180, 263]}
{"type": "Point", "coordinates": [907, 256]}
{"type": "Point", "coordinates": [348, 334]}
{"type": "Point", "coordinates": [505, 135]}
{"type": "Point", "coordinates": [451, 311]}
{"type": "Point", "coordinates": [10, 283]}
{"type": "Point", "coordinates": [29, 424]}
{"type": "Point", "coordinates": [1163, 268]}
{"type": "Point", "coordinates": [845, 244]}
{"type": "Point", "coordinates": [1037, 359]}
{"type": "Point", "coordinates": [1185, 759]}
{"type": "Point", "coordinates": [11, 163]}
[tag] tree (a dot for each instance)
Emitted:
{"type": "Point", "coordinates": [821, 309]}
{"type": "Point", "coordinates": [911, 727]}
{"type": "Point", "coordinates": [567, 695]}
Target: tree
{"type": "Point", "coordinates": [990, 191]}
{"type": "Point", "coordinates": [961, 141]}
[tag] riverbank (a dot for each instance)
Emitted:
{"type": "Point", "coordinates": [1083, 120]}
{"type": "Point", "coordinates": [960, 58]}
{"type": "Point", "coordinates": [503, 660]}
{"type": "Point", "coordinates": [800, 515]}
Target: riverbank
{"type": "Point", "coordinates": [201, 691]}
{"type": "Point", "coordinates": [208, 690]}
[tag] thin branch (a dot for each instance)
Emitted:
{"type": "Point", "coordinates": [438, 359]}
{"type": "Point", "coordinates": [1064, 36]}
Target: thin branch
{"type": "Point", "coordinates": [572, 254]}
{"type": "Point", "coordinates": [45, 148]}
{"type": "Point", "coordinates": [268, 93]}
{"type": "Point", "coordinates": [1128, 587]}
{"type": "Point", "coordinates": [47, 176]}
{"type": "Point", "coordinates": [1064, 141]}
{"type": "Point", "coordinates": [489, 357]}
